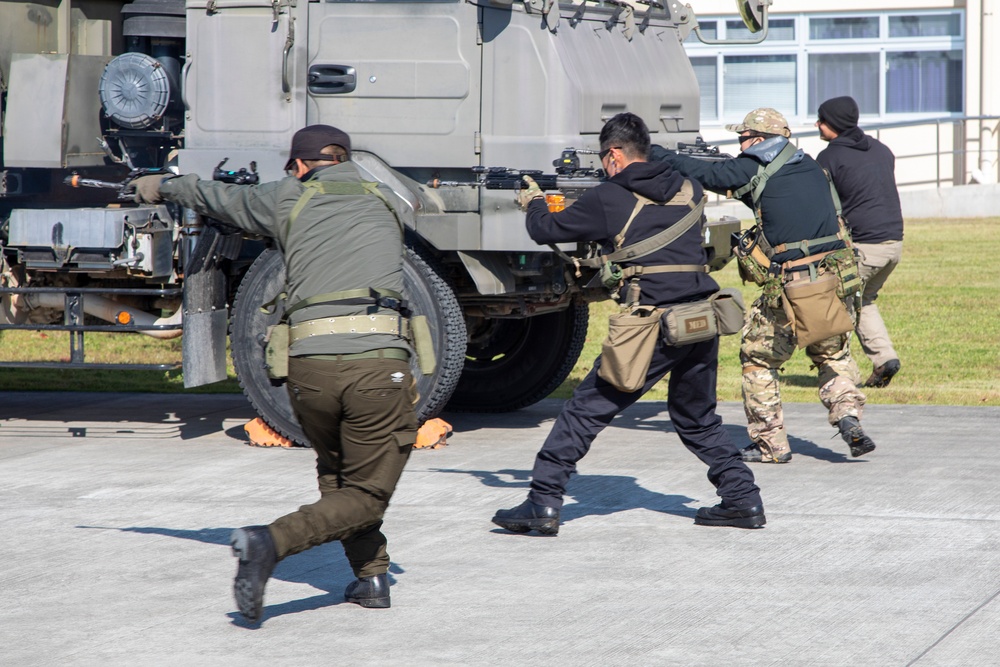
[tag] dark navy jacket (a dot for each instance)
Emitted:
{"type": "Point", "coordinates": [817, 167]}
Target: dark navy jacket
{"type": "Point", "coordinates": [796, 204]}
{"type": "Point", "coordinates": [600, 213]}
{"type": "Point", "coordinates": [862, 168]}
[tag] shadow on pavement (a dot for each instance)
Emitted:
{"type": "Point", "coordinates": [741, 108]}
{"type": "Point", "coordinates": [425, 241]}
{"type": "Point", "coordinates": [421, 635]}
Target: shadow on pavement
{"type": "Point", "coordinates": [116, 415]}
{"type": "Point", "coordinates": [595, 495]}
{"type": "Point", "coordinates": [324, 567]}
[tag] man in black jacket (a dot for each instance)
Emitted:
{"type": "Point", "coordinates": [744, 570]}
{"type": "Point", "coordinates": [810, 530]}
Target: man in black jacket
{"type": "Point", "coordinates": [798, 220]}
{"type": "Point", "coordinates": [599, 215]}
{"type": "Point", "coordinates": [862, 169]}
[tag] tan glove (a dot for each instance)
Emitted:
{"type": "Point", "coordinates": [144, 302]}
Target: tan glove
{"type": "Point", "coordinates": [527, 194]}
{"type": "Point", "coordinates": [147, 189]}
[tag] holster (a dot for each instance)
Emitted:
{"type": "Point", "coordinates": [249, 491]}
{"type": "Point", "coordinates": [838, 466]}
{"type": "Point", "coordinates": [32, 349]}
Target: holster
{"type": "Point", "coordinates": [753, 256]}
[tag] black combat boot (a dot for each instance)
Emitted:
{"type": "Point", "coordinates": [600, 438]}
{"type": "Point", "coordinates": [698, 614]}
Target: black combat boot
{"type": "Point", "coordinates": [722, 515]}
{"type": "Point", "coordinates": [371, 592]}
{"type": "Point", "coordinates": [881, 376]}
{"type": "Point", "coordinates": [529, 516]}
{"type": "Point", "coordinates": [850, 431]}
{"type": "Point", "coordinates": [255, 548]}
{"type": "Point", "coordinates": [754, 454]}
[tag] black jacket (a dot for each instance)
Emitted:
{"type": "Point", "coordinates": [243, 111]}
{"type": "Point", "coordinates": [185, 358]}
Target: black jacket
{"type": "Point", "coordinates": [796, 204]}
{"type": "Point", "coordinates": [862, 169]}
{"type": "Point", "coordinates": [600, 213]}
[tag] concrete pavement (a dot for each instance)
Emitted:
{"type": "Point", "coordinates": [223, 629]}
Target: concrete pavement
{"type": "Point", "coordinates": [116, 511]}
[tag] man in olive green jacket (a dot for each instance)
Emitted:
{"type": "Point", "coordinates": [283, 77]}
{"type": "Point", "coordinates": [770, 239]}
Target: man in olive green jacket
{"type": "Point", "coordinates": [352, 392]}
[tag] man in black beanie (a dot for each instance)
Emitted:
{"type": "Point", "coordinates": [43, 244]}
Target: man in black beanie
{"type": "Point", "coordinates": [862, 171]}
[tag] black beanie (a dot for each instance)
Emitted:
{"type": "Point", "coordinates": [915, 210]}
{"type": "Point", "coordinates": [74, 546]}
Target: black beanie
{"type": "Point", "coordinates": [840, 113]}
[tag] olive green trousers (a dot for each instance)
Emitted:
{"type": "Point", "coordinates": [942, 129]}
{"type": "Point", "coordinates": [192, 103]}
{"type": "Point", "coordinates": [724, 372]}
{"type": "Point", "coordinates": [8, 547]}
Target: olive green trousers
{"type": "Point", "coordinates": [359, 416]}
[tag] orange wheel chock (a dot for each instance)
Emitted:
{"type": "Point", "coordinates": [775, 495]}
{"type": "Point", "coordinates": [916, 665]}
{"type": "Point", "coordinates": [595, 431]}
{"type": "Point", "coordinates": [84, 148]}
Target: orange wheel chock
{"type": "Point", "coordinates": [262, 435]}
{"type": "Point", "coordinates": [433, 434]}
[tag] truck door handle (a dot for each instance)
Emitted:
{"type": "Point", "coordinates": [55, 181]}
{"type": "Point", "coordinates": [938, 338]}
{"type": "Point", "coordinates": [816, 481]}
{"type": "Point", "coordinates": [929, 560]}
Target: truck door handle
{"type": "Point", "coordinates": [332, 79]}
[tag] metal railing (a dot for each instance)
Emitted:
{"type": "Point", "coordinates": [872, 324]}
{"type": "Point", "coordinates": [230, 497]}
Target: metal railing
{"type": "Point", "coordinates": [977, 145]}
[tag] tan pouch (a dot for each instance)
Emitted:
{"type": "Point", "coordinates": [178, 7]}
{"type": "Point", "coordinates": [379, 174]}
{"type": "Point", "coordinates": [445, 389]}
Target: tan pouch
{"type": "Point", "coordinates": [689, 323]}
{"type": "Point", "coordinates": [730, 311]}
{"type": "Point", "coordinates": [628, 349]}
{"type": "Point", "coordinates": [276, 352]}
{"type": "Point", "coordinates": [423, 344]}
{"type": "Point", "coordinates": [814, 310]}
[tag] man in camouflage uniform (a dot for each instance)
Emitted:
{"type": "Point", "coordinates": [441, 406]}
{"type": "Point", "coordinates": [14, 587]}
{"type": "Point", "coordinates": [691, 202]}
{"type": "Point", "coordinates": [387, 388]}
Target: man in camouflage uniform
{"type": "Point", "coordinates": [794, 207]}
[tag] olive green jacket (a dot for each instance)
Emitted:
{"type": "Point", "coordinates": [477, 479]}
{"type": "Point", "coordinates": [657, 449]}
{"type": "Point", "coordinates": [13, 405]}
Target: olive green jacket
{"type": "Point", "coordinates": [338, 243]}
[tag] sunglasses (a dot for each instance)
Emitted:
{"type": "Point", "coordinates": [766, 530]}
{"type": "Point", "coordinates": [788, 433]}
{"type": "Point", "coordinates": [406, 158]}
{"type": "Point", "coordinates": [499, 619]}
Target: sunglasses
{"type": "Point", "coordinates": [603, 154]}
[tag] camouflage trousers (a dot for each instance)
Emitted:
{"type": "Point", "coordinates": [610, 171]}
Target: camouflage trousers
{"type": "Point", "coordinates": [768, 342]}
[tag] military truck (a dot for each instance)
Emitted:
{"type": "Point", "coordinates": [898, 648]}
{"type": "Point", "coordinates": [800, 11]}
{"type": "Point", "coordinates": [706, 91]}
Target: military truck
{"type": "Point", "coordinates": [447, 102]}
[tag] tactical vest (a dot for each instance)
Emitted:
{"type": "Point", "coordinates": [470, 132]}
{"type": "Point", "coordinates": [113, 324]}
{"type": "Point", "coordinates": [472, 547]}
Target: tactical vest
{"type": "Point", "coordinates": [756, 187]}
{"type": "Point", "coordinates": [613, 276]}
{"type": "Point", "coordinates": [384, 298]}
{"type": "Point", "coordinates": [751, 263]}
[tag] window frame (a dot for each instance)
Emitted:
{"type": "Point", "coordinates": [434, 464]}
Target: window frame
{"type": "Point", "coordinates": [802, 47]}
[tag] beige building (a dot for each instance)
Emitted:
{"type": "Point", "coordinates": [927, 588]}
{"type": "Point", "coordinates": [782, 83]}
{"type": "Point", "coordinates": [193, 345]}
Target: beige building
{"type": "Point", "coordinates": [923, 73]}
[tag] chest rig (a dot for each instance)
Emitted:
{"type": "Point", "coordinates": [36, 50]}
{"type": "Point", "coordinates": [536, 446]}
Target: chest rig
{"type": "Point", "coordinates": [364, 296]}
{"type": "Point", "coordinates": [754, 252]}
{"type": "Point", "coordinates": [613, 276]}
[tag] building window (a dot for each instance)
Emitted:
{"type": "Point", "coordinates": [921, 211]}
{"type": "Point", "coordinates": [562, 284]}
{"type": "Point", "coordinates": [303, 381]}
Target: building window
{"type": "Point", "coordinates": [893, 63]}
{"type": "Point", "coordinates": [923, 81]}
{"type": "Point", "coordinates": [749, 81]}
{"type": "Point", "coordinates": [778, 30]}
{"type": "Point", "coordinates": [936, 25]}
{"type": "Point", "coordinates": [857, 27]}
{"type": "Point", "coordinates": [833, 75]}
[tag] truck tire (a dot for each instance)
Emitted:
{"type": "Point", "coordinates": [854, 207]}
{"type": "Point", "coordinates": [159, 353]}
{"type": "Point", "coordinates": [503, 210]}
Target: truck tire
{"type": "Point", "coordinates": [511, 364]}
{"type": "Point", "coordinates": [429, 294]}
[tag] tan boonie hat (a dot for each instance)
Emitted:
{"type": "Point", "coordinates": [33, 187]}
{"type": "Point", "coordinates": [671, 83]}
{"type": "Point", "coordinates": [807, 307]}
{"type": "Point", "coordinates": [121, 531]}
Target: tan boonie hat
{"type": "Point", "coordinates": [764, 119]}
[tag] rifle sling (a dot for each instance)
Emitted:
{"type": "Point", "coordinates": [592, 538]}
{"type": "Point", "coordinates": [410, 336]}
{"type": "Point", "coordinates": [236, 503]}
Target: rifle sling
{"type": "Point", "coordinates": [756, 188]}
{"type": "Point", "coordinates": [653, 243]}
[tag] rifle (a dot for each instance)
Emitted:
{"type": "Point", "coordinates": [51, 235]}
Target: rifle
{"type": "Point", "coordinates": [76, 181]}
{"type": "Point", "coordinates": [570, 178]}
{"type": "Point", "coordinates": [219, 174]}
{"type": "Point", "coordinates": [702, 151]}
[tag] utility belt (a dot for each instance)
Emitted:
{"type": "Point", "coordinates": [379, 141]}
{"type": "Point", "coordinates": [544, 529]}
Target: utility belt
{"type": "Point", "coordinates": [754, 258]}
{"type": "Point", "coordinates": [413, 329]}
{"type": "Point", "coordinates": [811, 290]}
{"type": "Point", "coordinates": [634, 333]}
{"type": "Point", "coordinates": [349, 324]}
{"type": "Point", "coordinates": [383, 353]}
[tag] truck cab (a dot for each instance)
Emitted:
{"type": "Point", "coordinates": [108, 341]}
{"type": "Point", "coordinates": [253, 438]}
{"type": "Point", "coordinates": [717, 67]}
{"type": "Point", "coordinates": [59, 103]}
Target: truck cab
{"type": "Point", "coordinates": [432, 93]}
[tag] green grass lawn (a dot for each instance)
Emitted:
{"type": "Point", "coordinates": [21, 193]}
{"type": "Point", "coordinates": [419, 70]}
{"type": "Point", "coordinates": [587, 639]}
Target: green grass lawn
{"type": "Point", "coordinates": [940, 305]}
{"type": "Point", "coordinates": [941, 308]}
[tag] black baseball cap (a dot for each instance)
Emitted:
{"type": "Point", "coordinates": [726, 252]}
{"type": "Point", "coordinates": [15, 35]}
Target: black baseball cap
{"type": "Point", "coordinates": [308, 143]}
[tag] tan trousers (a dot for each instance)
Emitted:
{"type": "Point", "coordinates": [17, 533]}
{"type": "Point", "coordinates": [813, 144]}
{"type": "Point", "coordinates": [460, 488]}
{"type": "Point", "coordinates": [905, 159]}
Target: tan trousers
{"type": "Point", "coordinates": [877, 261]}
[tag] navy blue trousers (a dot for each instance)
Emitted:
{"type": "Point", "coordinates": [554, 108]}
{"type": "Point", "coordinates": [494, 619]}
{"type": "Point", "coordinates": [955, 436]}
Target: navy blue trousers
{"type": "Point", "coordinates": [691, 403]}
